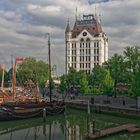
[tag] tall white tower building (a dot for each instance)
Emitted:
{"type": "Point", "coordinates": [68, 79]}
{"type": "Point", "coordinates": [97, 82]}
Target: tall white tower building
{"type": "Point", "coordinates": [86, 44]}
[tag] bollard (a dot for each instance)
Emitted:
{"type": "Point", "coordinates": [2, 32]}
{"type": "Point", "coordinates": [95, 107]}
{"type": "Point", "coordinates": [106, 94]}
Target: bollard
{"type": "Point", "coordinates": [44, 114]}
{"type": "Point", "coordinates": [88, 107]}
{"type": "Point", "coordinates": [93, 127]}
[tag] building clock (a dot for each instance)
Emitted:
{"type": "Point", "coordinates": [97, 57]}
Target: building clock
{"type": "Point", "coordinates": [84, 33]}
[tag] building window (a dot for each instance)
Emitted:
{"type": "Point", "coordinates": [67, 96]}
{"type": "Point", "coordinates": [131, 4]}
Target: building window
{"type": "Point", "coordinates": [68, 52]}
{"type": "Point", "coordinates": [97, 58]}
{"type": "Point", "coordinates": [89, 65]}
{"type": "Point", "coordinates": [89, 58]}
{"type": "Point", "coordinates": [75, 45]}
{"type": "Point", "coordinates": [68, 59]}
{"type": "Point", "coordinates": [94, 44]}
{"type": "Point", "coordinates": [89, 51]}
{"type": "Point", "coordinates": [94, 51]}
{"type": "Point", "coordinates": [73, 52]}
{"type": "Point", "coordinates": [97, 44]}
{"type": "Point", "coordinates": [97, 51]}
{"type": "Point", "coordinates": [81, 52]}
{"type": "Point", "coordinates": [88, 43]}
{"type": "Point", "coordinates": [74, 59]}
{"type": "Point", "coordinates": [81, 43]}
{"type": "Point", "coordinates": [81, 65]}
{"type": "Point", "coordinates": [74, 66]}
{"type": "Point", "coordinates": [82, 58]}
{"type": "Point", "coordinates": [94, 58]}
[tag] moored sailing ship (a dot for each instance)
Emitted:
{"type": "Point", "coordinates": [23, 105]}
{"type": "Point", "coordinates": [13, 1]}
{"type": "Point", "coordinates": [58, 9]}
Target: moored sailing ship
{"type": "Point", "coordinates": [22, 110]}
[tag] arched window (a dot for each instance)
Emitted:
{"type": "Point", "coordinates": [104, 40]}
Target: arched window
{"type": "Point", "coordinates": [81, 43]}
{"type": "Point", "coordinates": [88, 42]}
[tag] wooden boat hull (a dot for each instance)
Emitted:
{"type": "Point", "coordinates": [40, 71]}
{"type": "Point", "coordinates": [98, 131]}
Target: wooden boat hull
{"type": "Point", "coordinates": [29, 111]}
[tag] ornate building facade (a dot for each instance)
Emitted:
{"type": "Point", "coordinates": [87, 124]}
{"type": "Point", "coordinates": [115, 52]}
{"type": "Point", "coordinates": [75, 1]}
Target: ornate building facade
{"type": "Point", "coordinates": [86, 44]}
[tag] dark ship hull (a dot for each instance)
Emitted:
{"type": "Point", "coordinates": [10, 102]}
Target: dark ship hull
{"type": "Point", "coordinates": [25, 111]}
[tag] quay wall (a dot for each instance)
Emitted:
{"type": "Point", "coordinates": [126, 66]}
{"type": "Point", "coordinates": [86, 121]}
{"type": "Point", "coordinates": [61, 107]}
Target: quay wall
{"type": "Point", "coordinates": [105, 109]}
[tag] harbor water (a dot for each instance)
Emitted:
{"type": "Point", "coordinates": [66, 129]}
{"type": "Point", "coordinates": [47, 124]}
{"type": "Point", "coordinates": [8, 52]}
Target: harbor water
{"type": "Point", "coordinates": [73, 125]}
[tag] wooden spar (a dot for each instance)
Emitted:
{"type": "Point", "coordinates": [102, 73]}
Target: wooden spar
{"type": "Point", "coordinates": [14, 80]}
{"type": "Point", "coordinates": [2, 82]}
{"type": "Point", "coordinates": [49, 55]}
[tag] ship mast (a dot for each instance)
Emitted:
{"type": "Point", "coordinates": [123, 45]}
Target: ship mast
{"type": "Point", "coordinates": [14, 80]}
{"type": "Point", "coordinates": [2, 82]}
{"type": "Point", "coordinates": [49, 57]}
{"type": "Point", "coordinates": [13, 77]}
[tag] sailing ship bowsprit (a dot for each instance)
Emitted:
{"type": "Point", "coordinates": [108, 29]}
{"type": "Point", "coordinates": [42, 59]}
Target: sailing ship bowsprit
{"type": "Point", "coordinates": [17, 110]}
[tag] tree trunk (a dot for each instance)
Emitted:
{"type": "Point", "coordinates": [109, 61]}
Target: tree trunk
{"type": "Point", "coordinates": [115, 90]}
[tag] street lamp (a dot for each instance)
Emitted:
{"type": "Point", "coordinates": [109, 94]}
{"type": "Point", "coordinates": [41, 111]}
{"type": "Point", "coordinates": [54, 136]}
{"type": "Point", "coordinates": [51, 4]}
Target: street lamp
{"type": "Point", "coordinates": [47, 35]}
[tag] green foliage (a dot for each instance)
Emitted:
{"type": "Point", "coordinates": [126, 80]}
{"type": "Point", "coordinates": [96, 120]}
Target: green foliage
{"type": "Point", "coordinates": [63, 85]}
{"type": "Point", "coordinates": [98, 76]}
{"type": "Point", "coordinates": [116, 68]}
{"type": "Point", "coordinates": [136, 84]}
{"type": "Point", "coordinates": [95, 91]}
{"type": "Point", "coordinates": [101, 80]}
{"type": "Point", "coordinates": [73, 78]}
{"type": "Point", "coordinates": [84, 87]}
{"type": "Point", "coordinates": [30, 69]}
{"type": "Point", "coordinates": [132, 58]}
{"type": "Point", "coordinates": [107, 85]}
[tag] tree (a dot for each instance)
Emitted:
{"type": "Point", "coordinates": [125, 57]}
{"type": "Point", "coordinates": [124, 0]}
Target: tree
{"type": "Point", "coordinates": [63, 85]}
{"type": "Point", "coordinates": [116, 68]}
{"type": "Point", "coordinates": [107, 85]}
{"type": "Point", "coordinates": [135, 87]}
{"type": "Point", "coordinates": [71, 81]}
{"type": "Point", "coordinates": [132, 58]}
{"type": "Point", "coordinates": [84, 87]}
{"type": "Point", "coordinates": [30, 69]}
{"type": "Point", "coordinates": [97, 76]}
{"type": "Point", "coordinates": [73, 77]}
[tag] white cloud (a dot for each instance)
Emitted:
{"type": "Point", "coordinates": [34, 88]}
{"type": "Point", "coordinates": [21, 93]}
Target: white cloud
{"type": "Point", "coordinates": [49, 11]}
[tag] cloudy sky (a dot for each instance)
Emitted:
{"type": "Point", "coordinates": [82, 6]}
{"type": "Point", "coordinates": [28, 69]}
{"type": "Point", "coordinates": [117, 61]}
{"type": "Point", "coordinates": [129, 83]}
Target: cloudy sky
{"type": "Point", "coordinates": [24, 23]}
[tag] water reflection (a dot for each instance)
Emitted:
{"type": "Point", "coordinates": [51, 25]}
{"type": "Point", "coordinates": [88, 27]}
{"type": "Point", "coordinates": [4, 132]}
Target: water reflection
{"type": "Point", "coordinates": [72, 126]}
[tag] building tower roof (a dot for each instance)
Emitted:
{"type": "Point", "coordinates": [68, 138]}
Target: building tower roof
{"type": "Point", "coordinates": [90, 23]}
{"type": "Point", "coordinates": [68, 27]}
